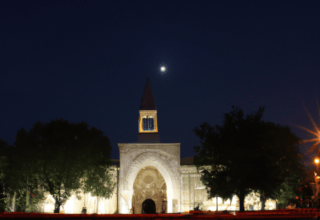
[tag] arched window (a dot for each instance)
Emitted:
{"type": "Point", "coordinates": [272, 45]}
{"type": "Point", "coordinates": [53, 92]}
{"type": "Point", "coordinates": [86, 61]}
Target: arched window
{"type": "Point", "coordinates": [147, 124]}
{"type": "Point", "coordinates": [151, 126]}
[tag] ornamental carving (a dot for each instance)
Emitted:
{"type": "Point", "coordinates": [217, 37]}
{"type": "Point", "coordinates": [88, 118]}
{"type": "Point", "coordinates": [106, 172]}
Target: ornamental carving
{"type": "Point", "coordinates": [149, 184]}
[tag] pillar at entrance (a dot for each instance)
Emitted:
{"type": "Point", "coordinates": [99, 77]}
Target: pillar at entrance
{"type": "Point", "coordinates": [162, 157]}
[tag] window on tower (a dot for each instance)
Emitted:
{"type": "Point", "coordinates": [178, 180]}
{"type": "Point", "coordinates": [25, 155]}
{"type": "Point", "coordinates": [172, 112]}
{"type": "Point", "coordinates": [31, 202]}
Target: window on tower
{"type": "Point", "coordinates": [147, 124]}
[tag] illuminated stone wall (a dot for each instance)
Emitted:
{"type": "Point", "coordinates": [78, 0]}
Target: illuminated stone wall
{"type": "Point", "coordinates": [75, 203]}
{"type": "Point", "coordinates": [194, 193]}
{"type": "Point", "coordinates": [153, 173]}
{"type": "Point", "coordinates": [163, 157]}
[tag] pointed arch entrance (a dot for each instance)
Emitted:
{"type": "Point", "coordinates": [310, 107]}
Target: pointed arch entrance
{"type": "Point", "coordinates": [142, 161]}
{"type": "Point", "coordinates": [164, 158]}
{"type": "Point", "coordinates": [149, 184]}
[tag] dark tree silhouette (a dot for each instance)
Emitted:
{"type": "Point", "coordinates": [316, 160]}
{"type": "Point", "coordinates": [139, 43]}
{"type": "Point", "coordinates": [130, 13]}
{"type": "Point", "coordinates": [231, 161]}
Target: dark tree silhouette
{"type": "Point", "coordinates": [246, 154]}
{"type": "Point", "coordinates": [3, 173]}
{"type": "Point", "coordinates": [63, 157]}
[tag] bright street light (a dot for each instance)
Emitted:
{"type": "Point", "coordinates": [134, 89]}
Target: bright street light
{"type": "Point", "coordinates": [317, 177]}
{"type": "Point", "coordinates": [317, 162]}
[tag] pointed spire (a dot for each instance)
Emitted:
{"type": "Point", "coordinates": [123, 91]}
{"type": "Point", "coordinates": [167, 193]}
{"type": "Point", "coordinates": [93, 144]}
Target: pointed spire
{"type": "Point", "coordinates": [147, 101]}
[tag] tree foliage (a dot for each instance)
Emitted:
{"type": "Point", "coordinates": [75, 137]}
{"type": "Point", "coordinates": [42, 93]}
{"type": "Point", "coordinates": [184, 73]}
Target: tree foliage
{"type": "Point", "coordinates": [3, 168]}
{"type": "Point", "coordinates": [62, 157]}
{"type": "Point", "coordinates": [246, 154]}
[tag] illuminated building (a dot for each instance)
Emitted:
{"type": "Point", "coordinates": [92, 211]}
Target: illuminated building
{"type": "Point", "coordinates": [153, 170]}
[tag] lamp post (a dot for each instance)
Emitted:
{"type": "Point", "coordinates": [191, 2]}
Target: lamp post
{"type": "Point", "coordinates": [317, 162]}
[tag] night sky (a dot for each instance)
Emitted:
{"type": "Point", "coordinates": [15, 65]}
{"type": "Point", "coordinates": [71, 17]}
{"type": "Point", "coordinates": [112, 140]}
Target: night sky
{"type": "Point", "coordinates": [88, 61]}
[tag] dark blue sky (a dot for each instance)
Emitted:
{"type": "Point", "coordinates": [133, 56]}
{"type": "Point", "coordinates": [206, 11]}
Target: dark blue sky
{"type": "Point", "coordinates": [88, 61]}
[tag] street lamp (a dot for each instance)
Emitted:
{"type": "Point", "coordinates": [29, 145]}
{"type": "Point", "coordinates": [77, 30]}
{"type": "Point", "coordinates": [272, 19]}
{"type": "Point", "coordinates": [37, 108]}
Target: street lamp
{"type": "Point", "coordinates": [317, 162]}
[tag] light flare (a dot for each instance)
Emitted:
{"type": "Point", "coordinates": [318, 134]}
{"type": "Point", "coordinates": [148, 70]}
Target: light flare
{"type": "Point", "coordinates": [316, 133]}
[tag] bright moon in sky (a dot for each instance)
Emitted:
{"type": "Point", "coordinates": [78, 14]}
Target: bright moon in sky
{"type": "Point", "coordinates": [163, 69]}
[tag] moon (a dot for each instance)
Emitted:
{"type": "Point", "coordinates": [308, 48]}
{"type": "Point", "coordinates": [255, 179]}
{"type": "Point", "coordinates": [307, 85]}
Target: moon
{"type": "Point", "coordinates": [163, 69]}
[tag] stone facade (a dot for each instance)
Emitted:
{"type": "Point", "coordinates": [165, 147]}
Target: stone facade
{"type": "Point", "coordinates": [151, 174]}
{"type": "Point", "coordinates": [77, 202]}
{"type": "Point", "coordinates": [163, 157]}
{"type": "Point", "coordinates": [194, 194]}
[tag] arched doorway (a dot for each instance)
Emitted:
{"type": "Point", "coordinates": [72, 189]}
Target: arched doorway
{"type": "Point", "coordinates": [148, 207]}
{"type": "Point", "coordinates": [131, 166]}
{"type": "Point", "coordinates": [149, 184]}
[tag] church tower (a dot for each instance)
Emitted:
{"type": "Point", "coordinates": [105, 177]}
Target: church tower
{"type": "Point", "coordinates": [149, 169]}
{"type": "Point", "coordinates": [148, 123]}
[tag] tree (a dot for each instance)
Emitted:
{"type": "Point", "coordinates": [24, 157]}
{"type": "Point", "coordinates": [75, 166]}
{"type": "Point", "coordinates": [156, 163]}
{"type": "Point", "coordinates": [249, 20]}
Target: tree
{"type": "Point", "coordinates": [63, 157]}
{"type": "Point", "coordinates": [284, 163]}
{"type": "Point", "coordinates": [286, 192]}
{"type": "Point", "coordinates": [22, 182]}
{"type": "Point", "coordinates": [3, 168]}
{"type": "Point", "coordinates": [246, 154]}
